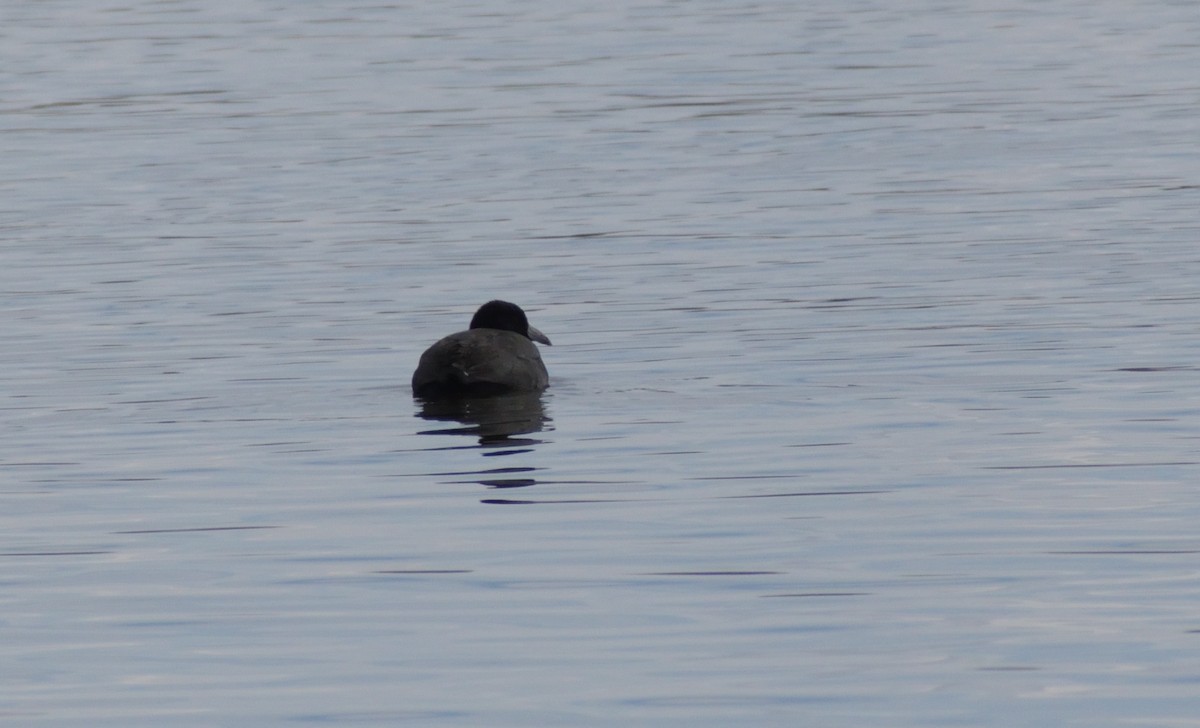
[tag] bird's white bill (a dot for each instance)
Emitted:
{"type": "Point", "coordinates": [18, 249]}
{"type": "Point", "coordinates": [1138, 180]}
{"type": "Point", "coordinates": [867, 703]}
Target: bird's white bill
{"type": "Point", "coordinates": [538, 336]}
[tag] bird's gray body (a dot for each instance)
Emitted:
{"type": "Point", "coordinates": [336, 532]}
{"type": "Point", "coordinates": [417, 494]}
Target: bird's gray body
{"type": "Point", "coordinates": [480, 362]}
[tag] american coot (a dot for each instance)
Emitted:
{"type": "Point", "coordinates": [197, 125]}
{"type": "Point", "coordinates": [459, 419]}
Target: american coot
{"type": "Point", "coordinates": [496, 355]}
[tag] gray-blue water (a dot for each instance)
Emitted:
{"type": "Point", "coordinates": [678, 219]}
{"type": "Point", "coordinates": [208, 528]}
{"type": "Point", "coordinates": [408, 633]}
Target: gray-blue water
{"type": "Point", "coordinates": [874, 388]}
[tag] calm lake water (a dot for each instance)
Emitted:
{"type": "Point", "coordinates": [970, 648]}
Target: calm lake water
{"type": "Point", "coordinates": [874, 381]}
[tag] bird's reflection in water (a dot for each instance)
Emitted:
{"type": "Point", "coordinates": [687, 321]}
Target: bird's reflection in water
{"type": "Point", "coordinates": [497, 421]}
{"type": "Point", "coordinates": [502, 423]}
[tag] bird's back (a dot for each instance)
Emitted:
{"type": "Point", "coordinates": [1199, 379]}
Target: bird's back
{"type": "Point", "coordinates": [480, 362]}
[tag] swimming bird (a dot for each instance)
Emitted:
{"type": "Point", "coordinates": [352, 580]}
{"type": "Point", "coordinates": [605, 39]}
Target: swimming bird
{"type": "Point", "coordinates": [495, 355]}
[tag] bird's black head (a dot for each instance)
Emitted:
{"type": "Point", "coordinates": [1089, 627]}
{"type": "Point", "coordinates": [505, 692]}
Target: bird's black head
{"type": "Point", "coordinates": [506, 317]}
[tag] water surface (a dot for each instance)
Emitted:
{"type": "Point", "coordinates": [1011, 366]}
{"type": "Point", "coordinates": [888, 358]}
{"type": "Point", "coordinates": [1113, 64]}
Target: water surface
{"type": "Point", "coordinates": [873, 388]}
